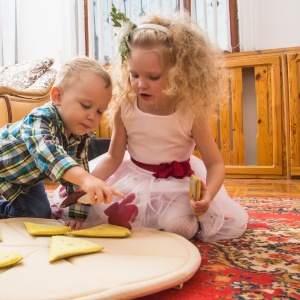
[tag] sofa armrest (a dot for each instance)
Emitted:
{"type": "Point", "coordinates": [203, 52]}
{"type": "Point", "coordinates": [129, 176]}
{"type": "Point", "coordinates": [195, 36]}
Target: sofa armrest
{"type": "Point", "coordinates": [13, 108]}
{"type": "Point", "coordinates": [5, 110]}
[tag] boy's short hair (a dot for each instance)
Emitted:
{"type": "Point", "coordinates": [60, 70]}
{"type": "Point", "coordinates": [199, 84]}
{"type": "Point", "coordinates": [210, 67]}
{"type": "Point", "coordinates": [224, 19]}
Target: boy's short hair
{"type": "Point", "coordinates": [73, 68]}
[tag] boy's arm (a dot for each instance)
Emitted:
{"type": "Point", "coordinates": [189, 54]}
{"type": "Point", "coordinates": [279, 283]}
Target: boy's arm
{"type": "Point", "coordinates": [97, 189]}
{"type": "Point", "coordinates": [45, 146]}
{"type": "Point", "coordinates": [44, 143]}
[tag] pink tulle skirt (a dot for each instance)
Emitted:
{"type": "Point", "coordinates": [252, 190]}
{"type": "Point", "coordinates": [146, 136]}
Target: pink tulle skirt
{"type": "Point", "coordinates": [159, 201]}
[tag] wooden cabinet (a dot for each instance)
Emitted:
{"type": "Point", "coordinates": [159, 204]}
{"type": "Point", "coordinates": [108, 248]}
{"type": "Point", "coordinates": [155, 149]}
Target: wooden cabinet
{"type": "Point", "coordinates": [229, 129]}
{"type": "Point", "coordinates": [275, 98]}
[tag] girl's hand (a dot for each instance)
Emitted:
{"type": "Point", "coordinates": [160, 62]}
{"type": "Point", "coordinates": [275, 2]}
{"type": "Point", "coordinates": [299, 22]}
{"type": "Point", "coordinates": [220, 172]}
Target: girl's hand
{"type": "Point", "coordinates": [75, 224]}
{"type": "Point", "coordinates": [201, 206]}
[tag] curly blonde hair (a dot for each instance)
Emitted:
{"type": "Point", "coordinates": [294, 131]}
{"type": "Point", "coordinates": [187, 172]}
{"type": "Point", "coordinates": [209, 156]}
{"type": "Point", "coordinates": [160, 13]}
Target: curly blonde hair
{"type": "Point", "coordinates": [191, 62]}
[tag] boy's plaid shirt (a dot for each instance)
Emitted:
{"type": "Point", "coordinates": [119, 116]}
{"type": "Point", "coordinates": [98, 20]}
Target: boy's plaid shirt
{"type": "Point", "coordinates": [36, 148]}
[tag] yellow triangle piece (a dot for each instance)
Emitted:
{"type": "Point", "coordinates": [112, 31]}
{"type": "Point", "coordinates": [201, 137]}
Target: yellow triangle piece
{"type": "Point", "coordinates": [104, 230]}
{"type": "Point", "coordinates": [44, 229]}
{"type": "Point", "coordinates": [195, 188]}
{"type": "Point", "coordinates": [64, 246]}
{"type": "Point", "coordinates": [9, 258]}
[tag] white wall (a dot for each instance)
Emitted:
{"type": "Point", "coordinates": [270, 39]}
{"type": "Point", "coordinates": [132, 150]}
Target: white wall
{"type": "Point", "coordinates": [39, 34]}
{"type": "Point", "coordinates": [269, 24]}
{"type": "Point", "coordinates": [263, 24]}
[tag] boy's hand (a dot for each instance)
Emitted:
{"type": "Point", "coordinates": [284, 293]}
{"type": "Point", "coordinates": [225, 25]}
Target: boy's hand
{"type": "Point", "coordinates": [98, 191]}
{"type": "Point", "coordinates": [75, 224]}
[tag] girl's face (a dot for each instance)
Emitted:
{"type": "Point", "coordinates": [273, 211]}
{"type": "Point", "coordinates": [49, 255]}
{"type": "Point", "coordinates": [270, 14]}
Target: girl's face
{"type": "Point", "coordinates": [82, 103]}
{"type": "Point", "coordinates": [147, 78]}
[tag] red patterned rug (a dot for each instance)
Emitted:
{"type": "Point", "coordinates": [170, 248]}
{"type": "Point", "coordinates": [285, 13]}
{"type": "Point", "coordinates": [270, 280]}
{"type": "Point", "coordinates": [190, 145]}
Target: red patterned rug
{"type": "Point", "coordinates": [263, 264]}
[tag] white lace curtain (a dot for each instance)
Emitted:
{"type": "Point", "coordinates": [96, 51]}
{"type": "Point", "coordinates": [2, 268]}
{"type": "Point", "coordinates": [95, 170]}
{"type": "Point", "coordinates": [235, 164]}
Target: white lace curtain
{"type": "Point", "coordinates": [211, 15]}
{"type": "Point", "coordinates": [31, 29]}
{"type": "Point", "coordinates": [8, 52]}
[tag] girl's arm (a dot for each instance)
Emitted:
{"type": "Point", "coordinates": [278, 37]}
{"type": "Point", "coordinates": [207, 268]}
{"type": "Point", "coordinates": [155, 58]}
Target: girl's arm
{"type": "Point", "coordinates": [113, 158]}
{"type": "Point", "coordinates": [213, 162]}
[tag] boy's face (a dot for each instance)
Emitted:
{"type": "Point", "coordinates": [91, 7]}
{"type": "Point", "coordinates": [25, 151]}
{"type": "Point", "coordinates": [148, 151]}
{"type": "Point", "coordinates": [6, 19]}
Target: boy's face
{"type": "Point", "coordinates": [82, 103]}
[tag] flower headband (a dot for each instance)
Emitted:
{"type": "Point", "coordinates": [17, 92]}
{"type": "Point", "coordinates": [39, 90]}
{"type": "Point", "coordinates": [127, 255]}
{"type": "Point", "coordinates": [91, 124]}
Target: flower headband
{"type": "Point", "coordinates": [125, 27]}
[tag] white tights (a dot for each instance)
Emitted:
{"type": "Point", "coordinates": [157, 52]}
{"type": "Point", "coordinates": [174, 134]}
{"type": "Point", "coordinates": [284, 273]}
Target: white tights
{"type": "Point", "coordinates": [186, 226]}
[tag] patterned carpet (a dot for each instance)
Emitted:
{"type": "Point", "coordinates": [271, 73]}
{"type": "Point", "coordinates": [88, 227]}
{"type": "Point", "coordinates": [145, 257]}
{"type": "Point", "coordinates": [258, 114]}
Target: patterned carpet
{"type": "Point", "coordinates": [263, 264]}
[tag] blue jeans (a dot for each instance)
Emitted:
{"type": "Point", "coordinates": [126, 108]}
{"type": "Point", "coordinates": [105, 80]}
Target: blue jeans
{"type": "Point", "coordinates": [34, 204]}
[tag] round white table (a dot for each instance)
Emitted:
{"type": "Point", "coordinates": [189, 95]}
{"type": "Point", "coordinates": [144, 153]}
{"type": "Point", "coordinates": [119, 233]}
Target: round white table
{"type": "Point", "coordinates": [146, 262]}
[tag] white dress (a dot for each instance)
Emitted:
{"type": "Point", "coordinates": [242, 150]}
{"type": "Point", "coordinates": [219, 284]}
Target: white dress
{"type": "Point", "coordinates": [154, 140]}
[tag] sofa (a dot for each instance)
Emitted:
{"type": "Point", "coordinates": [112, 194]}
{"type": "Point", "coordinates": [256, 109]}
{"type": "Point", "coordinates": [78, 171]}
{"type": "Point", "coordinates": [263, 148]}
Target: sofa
{"type": "Point", "coordinates": [23, 87]}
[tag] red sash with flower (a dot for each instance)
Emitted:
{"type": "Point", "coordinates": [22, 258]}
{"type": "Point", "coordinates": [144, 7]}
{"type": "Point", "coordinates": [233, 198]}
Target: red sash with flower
{"type": "Point", "coordinates": [164, 170]}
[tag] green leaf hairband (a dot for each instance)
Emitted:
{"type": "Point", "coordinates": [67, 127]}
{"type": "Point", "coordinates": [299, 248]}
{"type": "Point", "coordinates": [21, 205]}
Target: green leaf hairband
{"type": "Point", "coordinates": [125, 27]}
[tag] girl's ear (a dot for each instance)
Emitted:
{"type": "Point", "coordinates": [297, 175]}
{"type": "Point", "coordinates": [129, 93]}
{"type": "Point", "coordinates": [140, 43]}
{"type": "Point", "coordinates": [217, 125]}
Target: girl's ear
{"type": "Point", "coordinates": [55, 94]}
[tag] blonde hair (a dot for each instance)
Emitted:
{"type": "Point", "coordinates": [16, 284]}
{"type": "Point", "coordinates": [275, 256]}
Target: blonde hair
{"type": "Point", "coordinates": [191, 62]}
{"type": "Point", "coordinates": [71, 71]}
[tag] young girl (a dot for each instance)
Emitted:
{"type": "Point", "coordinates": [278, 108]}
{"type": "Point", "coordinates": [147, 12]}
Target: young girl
{"type": "Point", "coordinates": [167, 84]}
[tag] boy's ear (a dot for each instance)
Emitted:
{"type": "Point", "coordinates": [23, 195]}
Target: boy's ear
{"type": "Point", "coordinates": [55, 94]}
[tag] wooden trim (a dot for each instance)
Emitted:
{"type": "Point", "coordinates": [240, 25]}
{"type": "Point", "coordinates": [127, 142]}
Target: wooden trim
{"type": "Point", "coordinates": [254, 170]}
{"type": "Point", "coordinates": [9, 110]}
{"type": "Point", "coordinates": [286, 116]}
{"type": "Point", "coordinates": [234, 26]}
{"type": "Point", "coordinates": [233, 18]}
{"type": "Point", "coordinates": [86, 27]}
{"type": "Point", "coordinates": [293, 61]}
{"type": "Point", "coordinates": [187, 5]}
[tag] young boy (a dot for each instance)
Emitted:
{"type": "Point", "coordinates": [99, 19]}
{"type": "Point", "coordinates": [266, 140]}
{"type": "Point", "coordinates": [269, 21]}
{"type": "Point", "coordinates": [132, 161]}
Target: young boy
{"type": "Point", "coordinates": [52, 141]}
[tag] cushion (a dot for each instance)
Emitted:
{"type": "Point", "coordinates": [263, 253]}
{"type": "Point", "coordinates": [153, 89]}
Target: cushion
{"type": "Point", "coordinates": [21, 76]}
{"type": "Point", "coordinates": [64, 246]}
{"type": "Point", "coordinates": [9, 258]}
{"type": "Point", "coordinates": [45, 229]}
{"type": "Point", "coordinates": [104, 230]}
{"type": "Point", "coordinates": [44, 81]}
